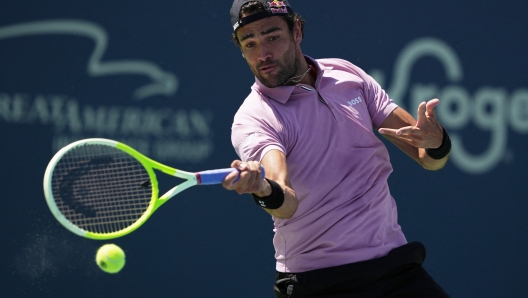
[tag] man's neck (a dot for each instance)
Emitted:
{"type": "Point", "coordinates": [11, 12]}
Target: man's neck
{"type": "Point", "coordinates": [307, 75]}
{"type": "Point", "coordinates": [311, 76]}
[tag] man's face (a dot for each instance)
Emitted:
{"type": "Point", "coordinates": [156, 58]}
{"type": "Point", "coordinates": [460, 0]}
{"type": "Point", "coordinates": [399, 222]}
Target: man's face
{"type": "Point", "coordinates": [270, 50]}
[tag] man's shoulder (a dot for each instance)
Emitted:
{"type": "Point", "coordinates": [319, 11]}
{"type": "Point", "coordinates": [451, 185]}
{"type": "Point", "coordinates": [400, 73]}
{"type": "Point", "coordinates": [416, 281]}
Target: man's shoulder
{"type": "Point", "coordinates": [333, 61]}
{"type": "Point", "coordinates": [343, 69]}
{"type": "Point", "coordinates": [255, 103]}
{"type": "Point", "coordinates": [253, 99]}
{"type": "Point", "coordinates": [340, 64]}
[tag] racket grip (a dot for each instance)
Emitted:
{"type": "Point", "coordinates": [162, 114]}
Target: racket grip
{"type": "Point", "coordinates": [217, 176]}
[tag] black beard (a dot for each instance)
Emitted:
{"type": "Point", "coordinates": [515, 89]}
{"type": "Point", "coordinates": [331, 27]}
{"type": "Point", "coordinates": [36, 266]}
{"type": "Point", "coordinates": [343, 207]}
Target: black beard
{"type": "Point", "coordinates": [287, 69]}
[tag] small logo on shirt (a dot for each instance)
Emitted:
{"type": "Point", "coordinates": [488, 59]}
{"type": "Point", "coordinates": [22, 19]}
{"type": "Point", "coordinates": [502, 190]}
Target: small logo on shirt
{"type": "Point", "coordinates": [355, 101]}
{"type": "Point", "coordinates": [253, 136]}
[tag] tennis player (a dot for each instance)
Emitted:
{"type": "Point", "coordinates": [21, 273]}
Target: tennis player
{"type": "Point", "coordinates": [311, 123]}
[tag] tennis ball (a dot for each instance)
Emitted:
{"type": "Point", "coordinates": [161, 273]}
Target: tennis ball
{"type": "Point", "coordinates": [110, 258]}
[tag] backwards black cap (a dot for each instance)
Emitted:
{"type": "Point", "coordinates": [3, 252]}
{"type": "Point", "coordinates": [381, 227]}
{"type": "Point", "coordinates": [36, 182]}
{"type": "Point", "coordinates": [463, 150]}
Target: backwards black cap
{"type": "Point", "coordinates": [271, 8]}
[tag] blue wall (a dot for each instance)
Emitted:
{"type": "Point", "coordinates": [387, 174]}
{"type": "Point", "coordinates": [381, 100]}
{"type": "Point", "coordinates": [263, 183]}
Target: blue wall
{"type": "Point", "coordinates": [165, 77]}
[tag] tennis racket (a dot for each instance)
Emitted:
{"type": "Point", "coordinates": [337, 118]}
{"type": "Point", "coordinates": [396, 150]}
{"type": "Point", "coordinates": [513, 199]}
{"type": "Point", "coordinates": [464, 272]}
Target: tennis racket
{"type": "Point", "coordinates": [103, 189]}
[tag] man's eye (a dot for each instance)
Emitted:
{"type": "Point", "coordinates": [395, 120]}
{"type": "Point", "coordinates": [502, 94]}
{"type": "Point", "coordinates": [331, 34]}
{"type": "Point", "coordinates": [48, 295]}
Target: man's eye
{"type": "Point", "coordinates": [250, 45]}
{"type": "Point", "coordinates": [273, 38]}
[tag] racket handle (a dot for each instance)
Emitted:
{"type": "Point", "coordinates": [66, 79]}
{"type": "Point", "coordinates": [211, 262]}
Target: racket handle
{"type": "Point", "coordinates": [217, 176]}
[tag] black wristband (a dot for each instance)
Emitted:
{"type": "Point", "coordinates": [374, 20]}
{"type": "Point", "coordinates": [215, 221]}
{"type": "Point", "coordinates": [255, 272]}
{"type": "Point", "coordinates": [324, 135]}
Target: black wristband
{"type": "Point", "coordinates": [274, 200]}
{"type": "Point", "coordinates": [441, 151]}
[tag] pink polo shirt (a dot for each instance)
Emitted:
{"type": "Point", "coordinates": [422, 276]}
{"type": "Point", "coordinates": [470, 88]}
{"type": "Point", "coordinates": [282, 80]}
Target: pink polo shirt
{"type": "Point", "coordinates": [338, 167]}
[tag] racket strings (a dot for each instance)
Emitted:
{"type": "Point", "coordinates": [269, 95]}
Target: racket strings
{"type": "Point", "coordinates": [101, 189]}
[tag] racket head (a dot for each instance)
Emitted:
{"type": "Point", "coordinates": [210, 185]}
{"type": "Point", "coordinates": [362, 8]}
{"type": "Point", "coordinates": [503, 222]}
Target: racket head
{"type": "Point", "coordinates": [100, 189]}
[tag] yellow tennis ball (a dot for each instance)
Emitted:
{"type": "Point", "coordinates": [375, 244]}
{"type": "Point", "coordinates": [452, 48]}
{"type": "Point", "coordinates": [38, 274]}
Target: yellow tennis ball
{"type": "Point", "coordinates": [110, 258]}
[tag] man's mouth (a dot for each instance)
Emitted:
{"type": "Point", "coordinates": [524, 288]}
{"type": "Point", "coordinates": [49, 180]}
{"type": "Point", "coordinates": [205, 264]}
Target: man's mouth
{"type": "Point", "coordinates": [267, 68]}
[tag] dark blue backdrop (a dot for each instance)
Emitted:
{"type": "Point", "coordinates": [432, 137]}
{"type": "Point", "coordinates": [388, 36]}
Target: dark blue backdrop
{"type": "Point", "coordinates": [164, 77]}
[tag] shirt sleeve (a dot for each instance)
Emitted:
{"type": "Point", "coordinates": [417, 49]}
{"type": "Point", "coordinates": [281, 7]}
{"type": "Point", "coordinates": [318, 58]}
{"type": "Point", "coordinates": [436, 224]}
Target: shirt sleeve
{"type": "Point", "coordinates": [379, 104]}
{"type": "Point", "coordinates": [255, 130]}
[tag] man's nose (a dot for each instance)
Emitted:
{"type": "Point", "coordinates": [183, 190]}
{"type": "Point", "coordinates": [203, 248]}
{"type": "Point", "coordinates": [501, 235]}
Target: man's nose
{"type": "Point", "coordinates": [264, 52]}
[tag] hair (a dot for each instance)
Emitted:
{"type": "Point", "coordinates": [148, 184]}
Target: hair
{"type": "Point", "coordinates": [252, 7]}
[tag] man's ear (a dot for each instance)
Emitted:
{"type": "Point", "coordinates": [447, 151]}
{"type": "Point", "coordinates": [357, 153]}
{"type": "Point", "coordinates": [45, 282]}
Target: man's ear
{"type": "Point", "coordinates": [297, 32]}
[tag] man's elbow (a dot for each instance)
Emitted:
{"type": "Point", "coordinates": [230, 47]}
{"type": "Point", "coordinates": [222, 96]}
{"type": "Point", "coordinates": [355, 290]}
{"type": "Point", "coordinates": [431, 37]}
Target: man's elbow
{"type": "Point", "coordinates": [284, 212]}
{"type": "Point", "coordinates": [434, 165]}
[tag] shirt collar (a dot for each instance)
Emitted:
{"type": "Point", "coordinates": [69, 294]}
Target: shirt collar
{"type": "Point", "coordinates": [283, 93]}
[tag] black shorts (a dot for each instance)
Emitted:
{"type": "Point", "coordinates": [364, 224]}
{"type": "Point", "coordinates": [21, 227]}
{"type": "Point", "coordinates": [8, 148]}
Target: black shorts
{"type": "Point", "coordinates": [398, 274]}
